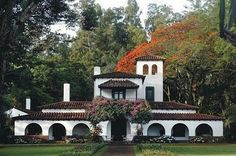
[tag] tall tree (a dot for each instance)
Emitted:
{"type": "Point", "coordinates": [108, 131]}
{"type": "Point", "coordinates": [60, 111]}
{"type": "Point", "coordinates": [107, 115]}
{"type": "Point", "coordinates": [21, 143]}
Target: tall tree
{"type": "Point", "coordinates": [87, 14]}
{"type": "Point", "coordinates": [226, 30]}
{"type": "Point", "coordinates": [132, 14]}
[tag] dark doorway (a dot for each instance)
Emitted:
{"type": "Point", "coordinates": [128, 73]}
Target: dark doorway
{"type": "Point", "coordinates": [58, 132]}
{"type": "Point", "coordinates": [118, 128]}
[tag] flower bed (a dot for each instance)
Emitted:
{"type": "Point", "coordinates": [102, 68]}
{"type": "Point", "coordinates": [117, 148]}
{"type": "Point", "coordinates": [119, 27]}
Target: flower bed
{"type": "Point", "coordinates": [153, 150]}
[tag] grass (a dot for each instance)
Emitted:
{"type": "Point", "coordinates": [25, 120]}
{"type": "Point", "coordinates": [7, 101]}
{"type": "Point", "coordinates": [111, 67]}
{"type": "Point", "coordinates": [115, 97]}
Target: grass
{"type": "Point", "coordinates": [202, 149]}
{"type": "Point", "coordinates": [197, 149]}
{"type": "Point", "coordinates": [33, 150]}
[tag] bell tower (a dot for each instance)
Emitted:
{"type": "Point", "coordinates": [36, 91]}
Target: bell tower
{"type": "Point", "coordinates": [151, 66]}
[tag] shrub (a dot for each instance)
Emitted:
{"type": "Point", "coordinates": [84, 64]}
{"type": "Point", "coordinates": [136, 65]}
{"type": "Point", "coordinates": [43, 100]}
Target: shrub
{"type": "Point", "coordinates": [29, 140]}
{"type": "Point", "coordinates": [153, 150]}
{"type": "Point", "coordinates": [153, 139]}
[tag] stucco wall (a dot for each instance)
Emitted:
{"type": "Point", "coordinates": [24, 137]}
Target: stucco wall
{"type": "Point", "coordinates": [155, 81]}
{"type": "Point", "coordinates": [63, 110]}
{"type": "Point", "coordinates": [172, 111]}
{"type": "Point", "coordinates": [20, 126]}
{"type": "Point", "coordinates": [217, 126]}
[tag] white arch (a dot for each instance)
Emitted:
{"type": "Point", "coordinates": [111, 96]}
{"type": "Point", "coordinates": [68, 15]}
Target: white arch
{"type": "Point", "coordinates": [51, 130]}
{"type": "Point", "coordinates": [155, 129]}
{"type": "Point", "coordinates": [177, 131]}
{"type": "Point", "coordinates": [80, 129]}
{"type": "Point", "coordinates": [205, 130]}
{"type": "Point", "coordinates": [38, 126]}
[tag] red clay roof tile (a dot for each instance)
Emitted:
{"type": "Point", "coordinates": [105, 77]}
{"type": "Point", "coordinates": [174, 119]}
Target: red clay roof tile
{"type": "Point", "coordinates": [118, 84]}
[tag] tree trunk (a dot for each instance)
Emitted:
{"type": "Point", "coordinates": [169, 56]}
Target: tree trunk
{"type": "Point", "coordinates": [222, 17]}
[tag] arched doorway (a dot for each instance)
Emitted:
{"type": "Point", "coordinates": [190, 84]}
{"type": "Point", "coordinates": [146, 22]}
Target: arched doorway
{"type": "Point", "coordinates": [119, 128]}
{"type": "Point", "coordinates": [57, 132]}
{"type": "Point", "coordinates": [204, 130]}
{"type": "Point", "coordinates": [80, 130]}
{"type": "Point", "coordinates": [180, 132]}
{"type": "Point", "coordinates": [155, 130]}
{"type": "Point", "coordinates": [33, 129]}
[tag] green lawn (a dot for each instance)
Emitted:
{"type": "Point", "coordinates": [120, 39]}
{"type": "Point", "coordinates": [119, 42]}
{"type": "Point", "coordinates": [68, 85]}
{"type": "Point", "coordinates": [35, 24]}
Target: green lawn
{"type": "Point", "coordinates": [202, 149]}
{"type": "Point", "coordinates": [196, 149]}
{"type": "Point", "coordinates": [33, 150]}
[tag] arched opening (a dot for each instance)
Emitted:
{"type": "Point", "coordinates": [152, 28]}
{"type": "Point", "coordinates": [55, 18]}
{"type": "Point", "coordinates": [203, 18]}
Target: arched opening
{"type": "Point", "coordinates": [119, 128]}
{"type": "Point", "coordinates": [156, 130]}
{"type": "Point", "coordinates": [33, 129]}
{"type": "Point", "coordinates": [154, 69]}
{"type": "Point", "coordinates": [180, 132]}
{"type": "Point", "coordinates": [57, 132]}
{"type": "Point", "coordinates": [145, 69]}
{"type": "Point", "coordinates": [204, 130]}
{"type": "Point", "coordinates": [80, 130]}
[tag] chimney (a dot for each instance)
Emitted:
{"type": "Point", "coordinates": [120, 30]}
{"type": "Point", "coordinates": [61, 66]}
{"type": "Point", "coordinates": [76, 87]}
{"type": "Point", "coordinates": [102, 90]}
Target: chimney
{"type": "Point", "coordinates": [28, 103]}
{"type": "Point", "coordinates": [66, 94]}
{"type": "Point", "coordinates": [97, 70]}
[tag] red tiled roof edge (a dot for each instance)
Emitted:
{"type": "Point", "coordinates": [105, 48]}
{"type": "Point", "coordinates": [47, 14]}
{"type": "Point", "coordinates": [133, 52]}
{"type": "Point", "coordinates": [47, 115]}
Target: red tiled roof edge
{"type": "Point", "coordinates": [149, 58]}
{"type": "Point", "coordinates": [185, 116]}
{"type": "Point", "coordinates": [66, 105]}
{"type": "Point", "coordinates": [53, 116]}
{"type": "Point", "coordinates": [118, 84]}
{"type": "Point", "coordinates": [172, 106]}
{"type": "Point", "coordinates": [119, 75]}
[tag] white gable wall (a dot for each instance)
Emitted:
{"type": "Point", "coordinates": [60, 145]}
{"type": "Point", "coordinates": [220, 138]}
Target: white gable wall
{"type": "Point", "coordinates": [15, 112]}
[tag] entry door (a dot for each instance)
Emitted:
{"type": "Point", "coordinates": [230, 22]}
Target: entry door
{"type": "Point", "coordinates": [150, 93]}
{"type": "Point", "coordinates": [118, 129]}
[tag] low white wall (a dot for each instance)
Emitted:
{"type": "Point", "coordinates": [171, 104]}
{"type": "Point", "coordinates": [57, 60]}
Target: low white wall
{"type": "Point", "coordinates": [217, 126]}
{"type": "Point", "coordinates": [63, 110]}
{"type": "Point", "coordinates": [20, 126]}
{"type": "Point", "coordinates": [172, 111]}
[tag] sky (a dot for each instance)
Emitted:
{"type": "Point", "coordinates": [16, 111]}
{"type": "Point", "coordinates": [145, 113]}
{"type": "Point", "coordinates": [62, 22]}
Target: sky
{"type": "Point", "coordinates": [177, 5]}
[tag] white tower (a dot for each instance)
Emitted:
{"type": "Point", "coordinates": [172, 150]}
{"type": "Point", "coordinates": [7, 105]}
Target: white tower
{"type": "Point", "coordinates": [152, 67]}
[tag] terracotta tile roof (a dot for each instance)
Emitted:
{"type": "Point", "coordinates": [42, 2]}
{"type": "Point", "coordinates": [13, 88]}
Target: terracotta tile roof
{"type": "Point", "coordinates": [118, 84]}
{"type": "Point", "coordinates": [66, 105]}
{"type": "Point", "coordinates": [24, 110]}
{"type": "Point", "coordinates": [53, 116]}
{"type": "Point", "coordinates": [149, 58]}
{"type": "Point", "coordinates": [171, 105]}
{"type": "Point", "coordinates": [184, 116]}
{"type": "Point", "coordinates": [119, 75]}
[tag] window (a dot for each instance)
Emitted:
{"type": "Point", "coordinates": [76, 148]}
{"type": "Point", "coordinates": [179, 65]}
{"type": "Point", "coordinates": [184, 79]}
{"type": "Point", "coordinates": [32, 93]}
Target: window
{"type": "Point", "coordinates": [118, 94]}
{"type": "Point", "coordinates": [154, 69]}
{"type": "Point", "coordinates": [150, 93]}
{"type": "Point", "coordinates": [145, 69]}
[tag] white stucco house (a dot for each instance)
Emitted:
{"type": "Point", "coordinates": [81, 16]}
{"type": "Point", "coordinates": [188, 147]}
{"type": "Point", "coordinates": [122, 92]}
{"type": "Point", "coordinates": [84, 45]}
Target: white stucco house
{"type": "Point", "coordinates": [67, 118]}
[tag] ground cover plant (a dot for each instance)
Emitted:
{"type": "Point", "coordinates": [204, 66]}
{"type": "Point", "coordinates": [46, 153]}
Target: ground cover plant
{"type": "Point", "coordinates": [85, 150]}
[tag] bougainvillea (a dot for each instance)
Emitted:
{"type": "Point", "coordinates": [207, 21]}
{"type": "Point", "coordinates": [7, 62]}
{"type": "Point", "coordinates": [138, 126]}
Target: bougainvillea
{"type": "Point", "coordinates": [102, 109]}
